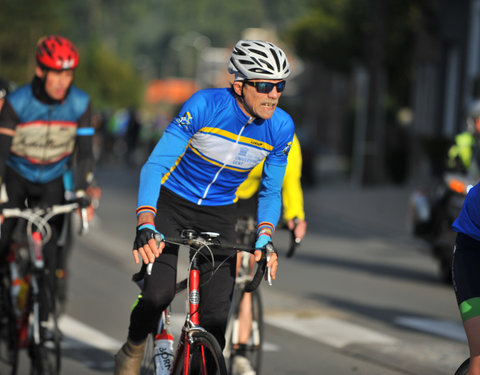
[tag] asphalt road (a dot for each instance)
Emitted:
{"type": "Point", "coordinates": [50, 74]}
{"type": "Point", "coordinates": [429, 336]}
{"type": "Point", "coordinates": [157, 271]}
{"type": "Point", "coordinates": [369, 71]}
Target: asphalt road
{"type": "Point", "coordinates": [359, 297]}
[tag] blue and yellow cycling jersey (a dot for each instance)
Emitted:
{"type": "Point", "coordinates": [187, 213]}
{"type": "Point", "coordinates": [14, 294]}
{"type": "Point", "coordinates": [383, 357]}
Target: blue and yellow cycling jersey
{"type": "Point", "coordinates": [468, 221]}
{"type": "Point", "coordinates": [208, 150]}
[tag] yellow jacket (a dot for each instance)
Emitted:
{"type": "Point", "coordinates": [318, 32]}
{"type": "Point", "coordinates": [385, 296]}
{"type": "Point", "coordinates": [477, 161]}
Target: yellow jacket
{"type": "Point", "coordinates": [462, 150]}
{"type": "Point", "coordinates": [292, 194]}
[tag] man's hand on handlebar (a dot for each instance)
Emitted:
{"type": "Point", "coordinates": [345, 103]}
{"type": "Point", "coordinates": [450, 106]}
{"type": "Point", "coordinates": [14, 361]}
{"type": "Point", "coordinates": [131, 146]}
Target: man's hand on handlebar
{"type": "Point", "coordinates": [145, 244]}
{"type": "Point", "coordinates": [262, 240]}
{"type": "Point", "coordinates": [82, 199]}
{"type": "Point", "coordinates": [299, 228]}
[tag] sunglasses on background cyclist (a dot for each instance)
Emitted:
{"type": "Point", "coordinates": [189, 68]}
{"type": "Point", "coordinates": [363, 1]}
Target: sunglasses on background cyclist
{"type": "Point", "coordinates": [266, 87]}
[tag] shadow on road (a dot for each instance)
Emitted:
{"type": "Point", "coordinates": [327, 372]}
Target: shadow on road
{"type": "Point", "coordinates": [377, 270]}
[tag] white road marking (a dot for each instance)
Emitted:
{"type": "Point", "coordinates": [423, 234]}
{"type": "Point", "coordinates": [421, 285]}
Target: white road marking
{"type": "Point", "coordinates": [334, 332]}
{"type": "Point", "coordinates": [177, 320]}
{"type": "Point", "coordinates": [79, 335]}
{"type": "Point", "coordinates": [444, 328]}
{"type": "Point", "coordinates": [331, 331]}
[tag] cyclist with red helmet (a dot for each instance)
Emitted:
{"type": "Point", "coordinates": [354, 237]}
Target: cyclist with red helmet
{"type": "Point", "coordinates": [41, 125]}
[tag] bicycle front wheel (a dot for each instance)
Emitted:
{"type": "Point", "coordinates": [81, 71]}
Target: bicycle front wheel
{"type": "Point", "coordinates": [205, 357]}
{"type": "Point", "coordinates": [252, 348]}
{"type": "Point", "coordinates": [45, 336]}
{"type": "Point", "coordinates": [463, 369]}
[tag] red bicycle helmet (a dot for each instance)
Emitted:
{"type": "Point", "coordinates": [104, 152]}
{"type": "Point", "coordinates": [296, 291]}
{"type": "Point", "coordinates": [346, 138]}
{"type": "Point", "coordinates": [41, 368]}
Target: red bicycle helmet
{"type": "Point", "coordinates": [57, 53]}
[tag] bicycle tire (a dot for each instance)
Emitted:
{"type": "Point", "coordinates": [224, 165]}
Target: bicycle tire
{"type": "Point", "coordinates": [46, 354]}
{"type": "Point", "coordinates": [253, 349]}
{"type": "Point", "coordinates": [8, 332]}
{"type": "Point", "coordinates": [463, 369]}
{"type": "Point", "coordinates": [201, 342]}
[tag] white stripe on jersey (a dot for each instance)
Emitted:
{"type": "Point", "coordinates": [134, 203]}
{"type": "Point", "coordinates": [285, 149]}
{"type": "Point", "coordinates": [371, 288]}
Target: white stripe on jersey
{"type": "Point", "coordinates": [228, 152]}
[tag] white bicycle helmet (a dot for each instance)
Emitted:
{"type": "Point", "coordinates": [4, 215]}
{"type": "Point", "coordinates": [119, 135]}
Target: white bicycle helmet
{"type": "Point", "coordinates": [257, 59]}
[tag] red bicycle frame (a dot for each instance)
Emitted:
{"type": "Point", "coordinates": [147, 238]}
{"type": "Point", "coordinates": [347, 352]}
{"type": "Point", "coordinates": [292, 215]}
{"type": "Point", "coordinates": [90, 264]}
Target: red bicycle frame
{"type": "Point", "coordinates": [193, 320]}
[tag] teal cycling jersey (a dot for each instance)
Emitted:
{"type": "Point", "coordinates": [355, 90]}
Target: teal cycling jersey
{"type": "Point", "coordinates": [39, 138]}
{"type": "Point", "coordinates": [208, 150]}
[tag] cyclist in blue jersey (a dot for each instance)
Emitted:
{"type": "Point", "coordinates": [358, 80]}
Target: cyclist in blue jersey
{"type": "Point", "coordinates": [190, 181]}
{"type": "Point", "coordinates": [466, 281]}
{"type": "Point", "coordinates": [42, 125]}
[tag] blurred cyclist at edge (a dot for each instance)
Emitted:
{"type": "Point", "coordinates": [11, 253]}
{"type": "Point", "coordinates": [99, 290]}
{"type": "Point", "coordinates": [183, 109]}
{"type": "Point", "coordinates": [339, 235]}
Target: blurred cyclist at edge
{"type": "Point", "coordinates": [464, 155]}
{"type": "Point", "coordinates": [190, 182]}
{"type": "Point", "coordinates": [293, 217]}
{"type": "Point", "coordinates": [4, 88]}
{"type": "Point", "coordinates": [466, 278]}
{"type": "Point", "coordinates": [42, 125]}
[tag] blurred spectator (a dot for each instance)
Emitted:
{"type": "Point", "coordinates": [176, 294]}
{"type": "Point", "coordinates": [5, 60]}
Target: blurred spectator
{"type": "Point", "coordinates": [464, 154]}
{"type": "Point", "coordinates": [131, 135]}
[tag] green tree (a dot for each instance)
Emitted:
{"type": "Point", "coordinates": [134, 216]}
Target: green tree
{"type": "Point", "coordinates": [339, 33]}
{"type": "Point", "coordinates": [133, 40]}
{"type": "Point", "coordinates": [109, 80]}
{"type": "Point", "coordinates": [375, 34]}
{"type": "Point", "coordinates": [327, 34]}
{"type": "Point", "coordinates": [161, 33]}
{"type": "Point", "coordinates": [23, 23]}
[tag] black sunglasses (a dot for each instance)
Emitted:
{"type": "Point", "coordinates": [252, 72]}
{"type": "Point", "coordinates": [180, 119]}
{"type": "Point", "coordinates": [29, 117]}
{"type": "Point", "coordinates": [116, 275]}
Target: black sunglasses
{"type": "Point", "coordinates": [266, 87]}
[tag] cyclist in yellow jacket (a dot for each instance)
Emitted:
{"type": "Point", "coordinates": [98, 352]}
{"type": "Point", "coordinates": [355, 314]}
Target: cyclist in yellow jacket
{"type": "Point", "coordinates": [464, 155]}
{"type": "Point", "coordinates": [292, 194]}
{"type": "Point", "coordinates": [293, 217]}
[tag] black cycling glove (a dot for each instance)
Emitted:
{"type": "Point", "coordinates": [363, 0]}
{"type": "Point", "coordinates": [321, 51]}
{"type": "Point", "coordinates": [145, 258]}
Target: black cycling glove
{"type": "Point", "coordinates": [82, 199]}
{"type": "Point", "coordinates": [145, 232]}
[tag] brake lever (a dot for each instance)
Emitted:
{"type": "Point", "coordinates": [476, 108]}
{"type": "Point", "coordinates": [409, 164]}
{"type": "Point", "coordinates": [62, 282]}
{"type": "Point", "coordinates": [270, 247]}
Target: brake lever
{"type": "Point", "coordinates": [84, 214]}
{"type": "Point", "coordinates": [270, 249]}
{"type": "Point", "coordinates": [158, 239]}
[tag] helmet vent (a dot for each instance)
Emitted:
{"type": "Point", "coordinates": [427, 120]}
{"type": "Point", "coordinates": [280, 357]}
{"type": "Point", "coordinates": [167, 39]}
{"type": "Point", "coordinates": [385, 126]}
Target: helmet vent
{"type": "Point", "coordinates": [258, 52]}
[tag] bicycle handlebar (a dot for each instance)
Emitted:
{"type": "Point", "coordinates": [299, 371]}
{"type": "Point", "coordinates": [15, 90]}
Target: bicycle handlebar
{"type": "Point", "coordinates": [261, 268]}
{"type": "Point", "coordinates": [294, 241]}
{"type": "Point", "coordinates": [207, 240]}
{"type": "Point", "coordinates": [40, 216]}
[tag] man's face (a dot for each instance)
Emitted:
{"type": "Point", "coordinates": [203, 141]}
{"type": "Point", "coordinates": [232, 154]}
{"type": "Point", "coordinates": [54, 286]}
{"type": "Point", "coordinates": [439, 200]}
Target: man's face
{"type": "Point", "coordinates": [57, 82]}
{"type": "Point", "coordinates": [256, 104]}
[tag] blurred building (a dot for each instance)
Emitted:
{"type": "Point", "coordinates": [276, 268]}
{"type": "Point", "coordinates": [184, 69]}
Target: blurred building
{"type": "Point", "coordinates": [447, 79]}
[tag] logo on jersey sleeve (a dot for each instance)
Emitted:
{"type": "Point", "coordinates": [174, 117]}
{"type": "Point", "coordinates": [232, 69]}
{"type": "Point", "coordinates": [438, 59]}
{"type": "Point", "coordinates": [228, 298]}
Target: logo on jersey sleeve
{"type": "Point", "coordinates": [286, 150]}
{"type": "Point", "coordinates": [185, 120]}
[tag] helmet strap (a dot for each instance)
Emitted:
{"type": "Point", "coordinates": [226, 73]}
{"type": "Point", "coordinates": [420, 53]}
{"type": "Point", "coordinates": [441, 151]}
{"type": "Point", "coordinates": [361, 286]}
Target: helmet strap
{"type": "Point", "coordinates": [244, 103]}
{"type": "Point", "coordinates": [38, 86]}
